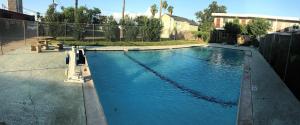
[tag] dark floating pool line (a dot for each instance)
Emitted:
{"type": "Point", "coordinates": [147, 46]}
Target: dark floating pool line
{"type": "Point", "coordinates": [194, 93]}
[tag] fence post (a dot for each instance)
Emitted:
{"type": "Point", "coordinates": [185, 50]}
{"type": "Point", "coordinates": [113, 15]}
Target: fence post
{"type": "Point", "coordinates": [1, 47]}
{"type": "Point", "coordinates": [288, 57]}
{"type": "Point", "coordinates": [93, 32]}
{"type": "Point", "coordinates": [65, 32]}
{"type": "Point", "coordinates": [272, 42]}
{"type": "Point", "coordinates": [143, 36]}
{"type": "Point", "coordinates": [24, 30]}
{"type": "Point", "coordinates": [38, 29]}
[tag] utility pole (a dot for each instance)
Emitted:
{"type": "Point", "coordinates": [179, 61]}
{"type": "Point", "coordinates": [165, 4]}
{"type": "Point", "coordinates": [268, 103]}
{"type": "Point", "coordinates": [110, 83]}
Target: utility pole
{"type": "Point", "coordinates": [75, 11]}
{"type": "Point", "coordinates": [160, 9]}
{"type": "Point", "coordinates": [123, 12]}
{"type": "Point", "coordinates": [123, 17]}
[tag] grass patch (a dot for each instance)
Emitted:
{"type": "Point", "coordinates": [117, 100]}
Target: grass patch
{"type": "Point", "coordinates": [104, 43]}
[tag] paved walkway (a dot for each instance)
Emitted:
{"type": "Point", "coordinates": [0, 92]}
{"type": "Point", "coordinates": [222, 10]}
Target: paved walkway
{"type": "Point", "coordinates": [273, 103]}
{"type": "Point", "coordinates": [32, 91]}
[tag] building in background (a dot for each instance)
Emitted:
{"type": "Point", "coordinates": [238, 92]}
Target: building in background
{"type": "Point", "coordinates": [175, 27]}
{"type": "Point", "coordinates": [279, 24]}
{"type": "Point", "coordinates": [15, 11]}
{"type": "Point", "coordinates": [15, 6]}
{"type": "Point", "coordinates": [15, 15]}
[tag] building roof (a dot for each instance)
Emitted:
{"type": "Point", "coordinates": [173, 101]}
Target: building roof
{"type": "Point", "coordinates": [256, 16]}
{"type": "Point", "coordinates": [15, 15]}
{"type": "Point", "coordinates": [182, 19]}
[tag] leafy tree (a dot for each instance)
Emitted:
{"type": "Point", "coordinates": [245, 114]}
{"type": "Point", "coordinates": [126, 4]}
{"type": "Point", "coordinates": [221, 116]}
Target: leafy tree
{"type": "Point", "coordinates": [170, 10]}
{"type": "Point", "coordinates": [68, 13]}
{"type": "Point", "coordinates": [141, 20]}
{"type": "Point", "coordinates": [205, 17]}
{"type": "Point", "coordinates": [150, 28]}
{"type": "Point", "coordinates": [163, 6]}
{"type": "Point", "coordinates": [130, 28]}
{"type": "Point", "coordinates": [84, 14]}
{"type": "Point", "coordinates": [206, 14]}
{"type": "Point", "coordinates": [52, 20]}
{"type": "Point", "coordinates": [153, 10]}
{"type": "Point", "coordinates": [233, 29]}
{"type": "Point", "coordinates": [111, 30]}
{"type": "Point", "coordinates": [258, 27]}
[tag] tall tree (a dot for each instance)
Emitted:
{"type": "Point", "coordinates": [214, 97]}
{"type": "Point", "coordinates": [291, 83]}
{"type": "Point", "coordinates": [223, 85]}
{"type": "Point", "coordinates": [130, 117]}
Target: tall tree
{"type": "Point", "coordinates": [153, 10]}
{"type": "Point", "coordinates": [233, 29]}
{"type": "Point", "coordinates": [206, 20]}
{"type": "Point", "coordinates": [160, 8]}
{"type": "Point", "coordinates": [258, 27]}
{"type": "Point", "coordinates": [170, 10]}
{"type": "Point", "coordinates": [123, 10]}
{"type": "Point", "coordinates": [75, 11]}
{"type": "Point", "coordinates": [163, 5]}
{"type": "Point", "coordinates": [205, 15]}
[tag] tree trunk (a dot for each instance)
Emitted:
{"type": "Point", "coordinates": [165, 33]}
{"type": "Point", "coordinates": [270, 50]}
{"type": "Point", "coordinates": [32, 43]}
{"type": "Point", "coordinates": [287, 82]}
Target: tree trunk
{"type": "Point", "coordinates": [123, 12]}
{"type": "Point", "coordinates": [160, 9]}
{"type": "Point", "coordinates": [75, 11]}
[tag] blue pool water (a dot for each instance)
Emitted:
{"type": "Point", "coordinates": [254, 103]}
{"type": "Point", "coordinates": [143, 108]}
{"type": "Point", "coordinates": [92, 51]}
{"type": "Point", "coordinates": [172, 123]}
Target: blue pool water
{"type": "Point", "coordinates": [191, 86]}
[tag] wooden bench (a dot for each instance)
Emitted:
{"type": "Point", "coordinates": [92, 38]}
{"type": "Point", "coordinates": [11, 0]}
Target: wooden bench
{"type": "Point", "coordinates": [44, 43]}
{"type": "Point", "coordinates": [36, 47]}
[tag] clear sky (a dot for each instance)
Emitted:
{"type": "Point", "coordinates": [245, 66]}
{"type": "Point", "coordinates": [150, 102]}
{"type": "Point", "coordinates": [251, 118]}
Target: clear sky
{"type": "Point", "coordinates": [184, 8]}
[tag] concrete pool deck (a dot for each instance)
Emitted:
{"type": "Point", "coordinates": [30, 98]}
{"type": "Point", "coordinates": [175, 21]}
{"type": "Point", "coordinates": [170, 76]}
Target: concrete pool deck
{"type": "Point", "coordinates": [32, 90]}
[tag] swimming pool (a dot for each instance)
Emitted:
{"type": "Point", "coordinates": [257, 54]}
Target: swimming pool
{"type": "Point", "coordinates": [190, 86]}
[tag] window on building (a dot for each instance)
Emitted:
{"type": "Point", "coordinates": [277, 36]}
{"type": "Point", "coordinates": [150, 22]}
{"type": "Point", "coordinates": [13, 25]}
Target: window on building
{"type": "Point", "coordinates": [217, 25]}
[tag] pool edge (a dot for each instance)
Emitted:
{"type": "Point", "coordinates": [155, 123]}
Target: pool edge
{"type": "Point", "coordinates": [242, 115]}
{"type": "Point", "coordinates": [93, 107]}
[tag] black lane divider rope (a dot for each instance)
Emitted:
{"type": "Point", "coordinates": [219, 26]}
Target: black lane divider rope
{"type": "Point", "coordinates": [194, 93]}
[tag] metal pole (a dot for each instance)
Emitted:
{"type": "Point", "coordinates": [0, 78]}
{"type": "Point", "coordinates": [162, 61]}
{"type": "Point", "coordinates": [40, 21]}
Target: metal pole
{"type": "Point", "coordinates": [65, 32]}
{"type": "Point", "coordinates": [37, 32]}
{"type": "Point", "coordinates": [24, 30]}
{"type": "Point", "coordinates": [1, 47]}
{"type": "Point", "coordinates": [288, 56]}
{"type": "Point", "coordinates": [143, 36]}
{"type": "Point", "coordinates": [93, 32]}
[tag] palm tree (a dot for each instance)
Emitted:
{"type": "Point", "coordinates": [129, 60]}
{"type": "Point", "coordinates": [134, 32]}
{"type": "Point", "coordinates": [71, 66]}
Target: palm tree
{"type": "Point", "coordinates": [170, 10]}
{"type": "Point", "coordinates": [163, 5]}
{"type": "Point", "coordinates": [123, 17]}
{"type": "Point", "coordinates": [75, 11]}
{"type": "Point", "coordinates": [153, 10]}
{"type": "Point", "coordinates": [123, 12]}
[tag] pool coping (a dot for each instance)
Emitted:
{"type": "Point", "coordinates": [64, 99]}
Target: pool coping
{"type": "Point", "coordinates": [244, 108]}
{"type": "Point", "coordinates": [93, 107]}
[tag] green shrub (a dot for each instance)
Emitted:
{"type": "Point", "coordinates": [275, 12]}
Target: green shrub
{"type": "Point", "coordinates": [152, 29]}
{"type": "Point", "coordinates": [111, 30]}
{"type": "Point", "coordinates": [204, 35]}
{"type": "Point", "coordinates": [130, 29]}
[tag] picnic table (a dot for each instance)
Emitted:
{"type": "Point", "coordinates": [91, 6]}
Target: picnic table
{"type": "Point", "coordinates": [41, 42]}
{"type": "Point", "coordinates": [44, 41]}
